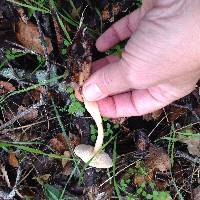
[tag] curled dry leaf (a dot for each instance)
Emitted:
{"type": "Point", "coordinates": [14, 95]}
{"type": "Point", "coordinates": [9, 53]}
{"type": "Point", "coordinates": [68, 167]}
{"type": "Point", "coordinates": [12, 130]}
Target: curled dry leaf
{"type": "Point", "coordinates": [12, 159]}
{"type": "Point", "coordinates": [6, 87]}
{"type": "Point", "coordinates": [58, 143]}
{"type": "Point", "coordinates": [35, 95]}
{"type": "Point", "coordinates": [28, 35]}
{"type": "Point", "coordinates": [30, 116]}
{"type": "Point", "coordinates": [80, 57]}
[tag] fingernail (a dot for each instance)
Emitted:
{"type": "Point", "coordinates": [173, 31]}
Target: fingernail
{"type": "Point", "coordinates": [92, 92]}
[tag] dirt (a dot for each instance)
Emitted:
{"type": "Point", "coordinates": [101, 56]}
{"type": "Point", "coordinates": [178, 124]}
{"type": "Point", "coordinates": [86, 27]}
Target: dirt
{"type": "Point", "coordinates": [41, 121]}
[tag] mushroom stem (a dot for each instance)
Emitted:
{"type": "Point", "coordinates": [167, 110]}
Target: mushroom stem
{"type": "Point", "coordinates": [99, 140]}
{"type": "Point", "coordinates": [93, 109]}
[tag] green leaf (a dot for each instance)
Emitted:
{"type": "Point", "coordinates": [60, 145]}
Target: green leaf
{"type": "Point", "coordinates": [51, 192]}
{"type": "Point", "coordinates": [139, 190]}
{"type": "Point", "coordinates": [152, 185]}
{"type": "Point", "coordinates": [144, 193]}
{"type": "Point", "coordinates": [143, 185]}
{"type": "Point", "coordinates": [149, 196]}
{"type": "Point", "coordinates": [93, 138]}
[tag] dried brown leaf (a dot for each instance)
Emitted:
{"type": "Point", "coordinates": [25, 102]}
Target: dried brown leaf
{"type": "Point", "coordinates": [28, 35]}
{"type": "Point", "coordinates": [6, 87]}
{"type": "Point", "coordinates": [67, 164]}
{"type": "Point", "coordinates": [58, 143]}
{"type": "Point", "coordinates": [190, 137]}
{"type": "Point", "coordinates": [30, 116]}
{"type": "Point", "coordinates": [12, 159]}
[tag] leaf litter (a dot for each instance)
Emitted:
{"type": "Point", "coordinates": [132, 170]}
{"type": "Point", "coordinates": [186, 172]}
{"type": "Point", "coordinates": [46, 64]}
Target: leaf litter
{"type": "Point", "coordinates": [47, 56]}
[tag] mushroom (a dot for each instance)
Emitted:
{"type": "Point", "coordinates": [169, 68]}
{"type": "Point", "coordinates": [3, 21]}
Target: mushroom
{"type": "Point", "coordinates": [94, 155]}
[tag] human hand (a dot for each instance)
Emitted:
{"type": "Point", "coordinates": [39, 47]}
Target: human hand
{"type": "Point", "coordinates": [160, 63]}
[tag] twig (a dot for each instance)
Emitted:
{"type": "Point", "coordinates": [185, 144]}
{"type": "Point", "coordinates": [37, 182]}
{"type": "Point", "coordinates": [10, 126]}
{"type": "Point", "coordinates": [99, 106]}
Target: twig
{"type": "Point", "coordinates": [9, 196]}
{"type": "Point", "coordinates": [22, 48]}
{"type": "Point", "coordinates": [20, 115]}
{"type": "Point", "coordinates": [180, 154]}
{"type": "Point", "coordinates": [5, 175]}
{"type": "Point", "coordinates": [12, 193]}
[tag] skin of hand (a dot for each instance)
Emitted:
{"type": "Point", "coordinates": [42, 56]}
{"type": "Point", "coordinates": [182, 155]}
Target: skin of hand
{"type": "Point", "coordinates": [160, 62]}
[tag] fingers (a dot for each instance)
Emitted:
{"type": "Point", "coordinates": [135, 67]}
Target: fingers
{"type": "Point", "coordinates": [139, 102]}
{"type": "Point", "coordinates": [107, 81]}
{"type": "Point", "coordinates": [103, 62]}
{"type": "Point", "coordinates": [123, 28]}
{"type": "Point", "coordinates": [119, 31]}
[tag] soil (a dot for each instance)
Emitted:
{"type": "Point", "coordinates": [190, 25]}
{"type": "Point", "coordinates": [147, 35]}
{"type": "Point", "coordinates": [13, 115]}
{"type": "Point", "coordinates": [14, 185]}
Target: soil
{"type": "Point", "coordinates": [41, 122]}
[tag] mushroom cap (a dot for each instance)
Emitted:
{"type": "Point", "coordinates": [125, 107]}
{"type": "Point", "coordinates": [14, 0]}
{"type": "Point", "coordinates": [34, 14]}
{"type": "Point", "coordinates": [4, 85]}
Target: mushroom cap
{"type": "Point", "coordinates": [86, 153]}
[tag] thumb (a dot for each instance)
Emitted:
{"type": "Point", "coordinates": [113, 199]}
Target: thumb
{"type": "Point", "coordinates": [108, 80]}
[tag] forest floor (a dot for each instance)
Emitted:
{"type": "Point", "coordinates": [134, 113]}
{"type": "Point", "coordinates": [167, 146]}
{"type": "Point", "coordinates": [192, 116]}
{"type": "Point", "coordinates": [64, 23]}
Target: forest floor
{"type": "Point", "coordinates": [43, 44]}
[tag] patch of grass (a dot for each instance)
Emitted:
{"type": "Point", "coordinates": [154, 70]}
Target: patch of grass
{"type": "Point", "coordinates": [7, 145]}
{"type": "Point", "coordinates": [32, 5]}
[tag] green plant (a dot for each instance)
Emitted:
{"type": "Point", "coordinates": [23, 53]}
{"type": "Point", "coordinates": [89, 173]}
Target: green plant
{"type": "Point", "coordinates": [138, 3]}
{"type": "Point", "coordinates": [139, 169]}
{"type": "Point", "coordinates": [154, 194]}
{"type": "Point", "coordinates": [109, 129]}
{"type": "Point", "coordinates": [116, 50]}
{"type": "Point", "coordinates": [73, 107]}
{"type": "Point", "coordinates": [93, 133]}
{"type": "Point", "coordinates": [124, 184]}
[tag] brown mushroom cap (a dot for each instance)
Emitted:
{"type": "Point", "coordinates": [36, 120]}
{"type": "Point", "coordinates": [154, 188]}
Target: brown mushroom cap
{"type": "Point", "coordinates": [86, 153]}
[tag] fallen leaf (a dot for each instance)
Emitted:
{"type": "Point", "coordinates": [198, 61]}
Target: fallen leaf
{"type": "Point", "coordinates": [12, 159]}
{"type": "Point", "coordinates": [6, 87]}
{"type": "Point", "coordinates": [157, 159]}
{"type": "Point", "coordinates": [30, 116]}
{"type": "Point", "coordinates": [35, 95]}
{"type": "Point", "coordinates": [175, 113]}
{"type": "Point", "coordinates": [28, 35]}
{"type": "Point", "coordinates": [67, 154]}
{"type": "Point", "coordinates": [80, 57]}
{"type": "Point", "coordinates": [58, 143]}
{"type": "Point", "coordinates": [43, 178]}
